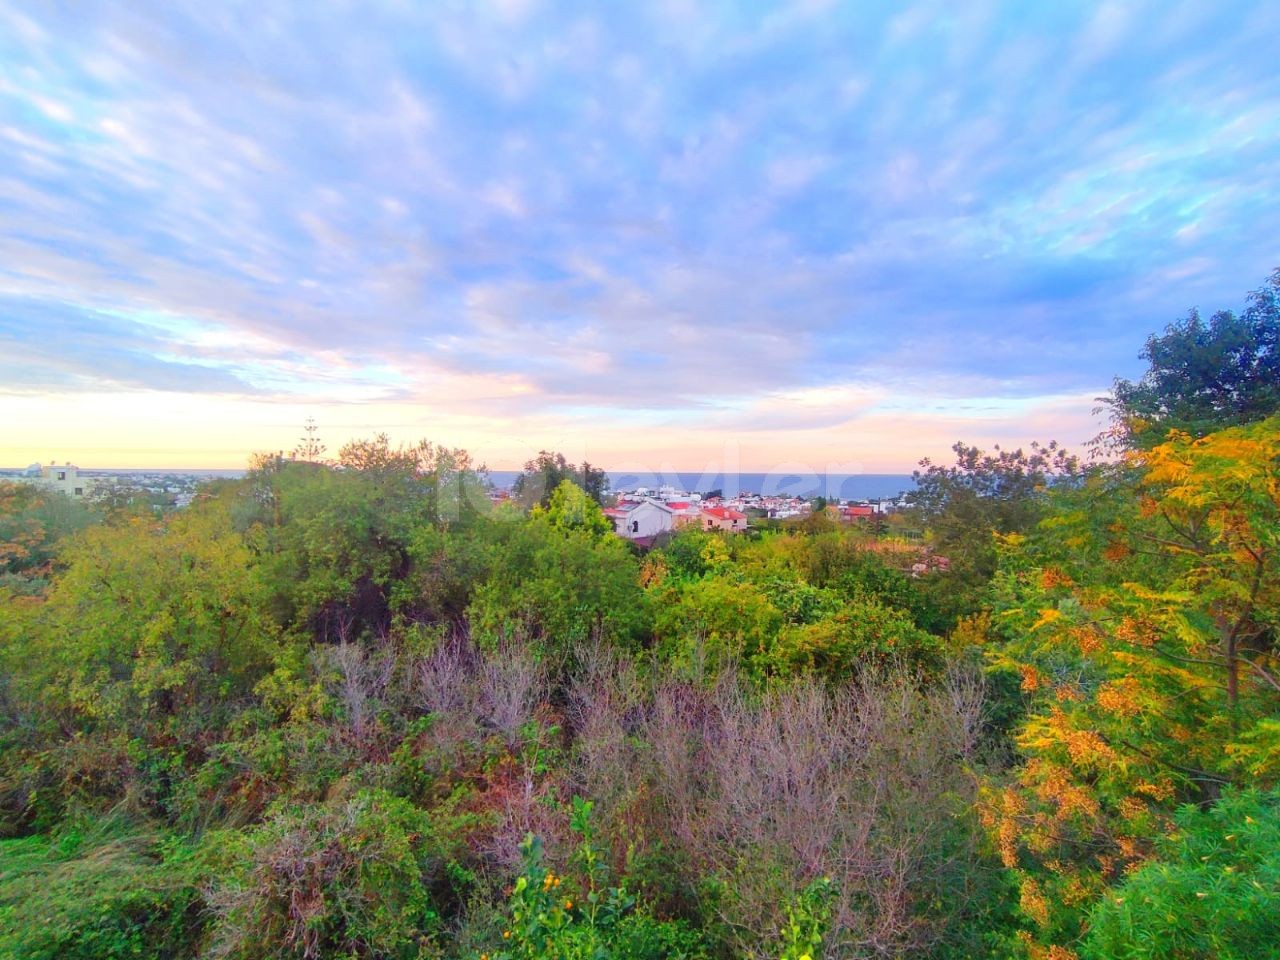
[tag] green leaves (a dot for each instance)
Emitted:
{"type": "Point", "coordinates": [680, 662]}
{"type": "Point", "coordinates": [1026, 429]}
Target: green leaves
{"type": "Point", "coordinates": [1211, 893]}
{"type": "Point", "coordinates": [569, 509]}
{"type": "Point", "coordinates": [151, 618]}
{"type": "Point", "coordinates": [1151, 676]}
{"type": "Point", "coordinates": [104, 889]}
{"type": "Point", "coordinates": [558, 588]}
{"type": "Point", "coordinates": [581, 917]}
{"type": "Point", "coordinates": [1204, 376]}
{"type": "Point", "coordinates": [352, 876]}
{"type": "Point", "coordinates": [807, 917]}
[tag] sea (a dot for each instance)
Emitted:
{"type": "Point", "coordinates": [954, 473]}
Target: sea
{"type": "Point", "coordinates": [835, 486]}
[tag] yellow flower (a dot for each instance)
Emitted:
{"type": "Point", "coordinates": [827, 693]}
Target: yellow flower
{"type": "Point", "coordinates": [568, 904]}
{"type": "Point", "coordinates": [506, 934]}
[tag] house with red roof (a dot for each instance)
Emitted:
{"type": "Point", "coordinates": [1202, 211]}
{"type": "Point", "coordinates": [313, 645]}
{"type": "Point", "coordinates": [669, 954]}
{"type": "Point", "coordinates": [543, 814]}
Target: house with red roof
{"type": "Point", "coordinates": [857, 511]}
{"type": "Point", "coordinates": [684, 513]}
{"type": "Point", "coordinates": [723, 518]}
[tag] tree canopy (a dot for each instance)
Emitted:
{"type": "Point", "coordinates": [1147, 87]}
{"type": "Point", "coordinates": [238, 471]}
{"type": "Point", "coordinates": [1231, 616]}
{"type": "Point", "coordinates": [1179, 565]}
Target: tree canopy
{"type": "Point", "coordinates": [1205, 375]}
{"type": "Point", "coordinates": [544, 473]}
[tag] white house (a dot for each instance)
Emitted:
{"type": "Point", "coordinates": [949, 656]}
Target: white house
{"type": "Point", "coordinates": [641, 520]}
{"type": "Point", "coordinates": [64, 478]}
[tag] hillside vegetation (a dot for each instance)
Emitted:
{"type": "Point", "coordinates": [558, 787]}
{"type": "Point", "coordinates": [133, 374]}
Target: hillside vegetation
{"type": "Point", "coordinates": [347, 709]}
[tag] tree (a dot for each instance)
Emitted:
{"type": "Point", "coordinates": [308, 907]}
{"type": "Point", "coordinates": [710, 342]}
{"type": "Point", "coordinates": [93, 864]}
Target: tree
{"type": "Point", "coordinates": [1219, 502]}
{"type": "Point", "coordinates": [336, 539]}
{"type": "Point", "coordinates": [151, 619]}
{"type": "Point", "coordinates": [716, 623]}
{"type": "Point", "coordinates": [570, 508]}
{"type": "Point", "coordinates": [1203, 376]}
{"type": "Point", "coordinates": [983, 494]}
{"type": "Point", "coordinates": [32, 521]}
{"type": "Point", "coordinates": [863, 635]}
{"type": "Point", "coordinates": [310, 448]}
{"type": "Point", "coordinates": [556, 587]}
{"type": "Point", "coordinates": [1211, 893]}
{"type": "Point", "coordinates": [1148, 684]}
{"type": "Point", "coordinates": [545, 472]}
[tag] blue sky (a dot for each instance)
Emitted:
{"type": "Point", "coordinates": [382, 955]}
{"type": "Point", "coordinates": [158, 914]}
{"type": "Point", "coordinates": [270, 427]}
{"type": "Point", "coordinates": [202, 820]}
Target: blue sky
{"type": "Point", "coordinates": [822, 233]}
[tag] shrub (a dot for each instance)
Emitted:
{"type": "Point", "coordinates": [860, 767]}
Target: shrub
{"type": "Point", "coordinates": [716, 623]}
{"type": "Point", "coordinates": [359, 877]}
{"type": "Point", "coordinates": [555, 588]}
{"type": "Point", "coordinates": [583, 919]}
{"type": "Point", "coordinates": [863, 634]}
{"type": "Point", "coordinates": [731, 800]}
{"type": "Point", "coordinates": [807, 918]}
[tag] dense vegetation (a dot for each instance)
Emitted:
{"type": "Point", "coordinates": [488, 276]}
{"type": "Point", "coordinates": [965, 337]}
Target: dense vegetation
{"type": "Point", "coordinates": [349, 709]}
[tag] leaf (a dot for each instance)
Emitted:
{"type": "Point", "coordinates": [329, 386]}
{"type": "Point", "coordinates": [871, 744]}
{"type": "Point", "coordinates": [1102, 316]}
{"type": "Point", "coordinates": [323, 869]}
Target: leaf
{"type": "Point", "coordinates": [1047, 616]}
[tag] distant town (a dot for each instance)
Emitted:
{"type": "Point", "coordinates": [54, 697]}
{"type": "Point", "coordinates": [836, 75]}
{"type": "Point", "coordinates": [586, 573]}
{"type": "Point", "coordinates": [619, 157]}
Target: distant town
{"type": "Point", "coordinates": [162, 488]}
{"type": "Point", "coordinates": [643, 515]}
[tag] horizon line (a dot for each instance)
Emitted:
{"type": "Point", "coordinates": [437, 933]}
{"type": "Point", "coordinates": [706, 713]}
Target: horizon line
{"type": "Point", "coordinates": [628, 473]}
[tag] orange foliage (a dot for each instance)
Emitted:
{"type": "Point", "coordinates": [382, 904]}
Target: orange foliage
{"type": "Point", "coordinates": [1120, 697]}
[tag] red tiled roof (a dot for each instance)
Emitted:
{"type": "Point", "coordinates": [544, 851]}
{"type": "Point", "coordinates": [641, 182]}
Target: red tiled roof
{"type": "Point", "coordinates": [725, 513]}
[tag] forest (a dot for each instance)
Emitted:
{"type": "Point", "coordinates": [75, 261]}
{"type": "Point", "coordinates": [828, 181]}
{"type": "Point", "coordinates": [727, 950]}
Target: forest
{"type": "Point", "coordinates": [347, 708]}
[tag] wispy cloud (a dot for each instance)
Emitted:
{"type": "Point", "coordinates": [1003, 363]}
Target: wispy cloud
{"type": "Point", "coordinates": [541, 214]}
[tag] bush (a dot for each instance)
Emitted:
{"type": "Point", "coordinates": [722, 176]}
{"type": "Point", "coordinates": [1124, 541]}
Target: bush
{"type": "Point", "coordinates": [361, 877]}
{"type": "Point", "coordinates": [715, 624]}
{"type": "Point", "coordinates": [863, 634]}
{"type": "Point", "coordinates": [726, 802]}
{"type": "Point", "coordinates": [583, 918]}
{"type": "Point", "coordinates": [556, 588]}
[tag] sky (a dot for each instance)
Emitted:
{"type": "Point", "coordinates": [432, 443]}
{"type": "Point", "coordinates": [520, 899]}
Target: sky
{"type": "Point", "coordinates": [671, 235]}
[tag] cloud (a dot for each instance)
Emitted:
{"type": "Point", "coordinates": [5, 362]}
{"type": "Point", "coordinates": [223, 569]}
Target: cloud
{"type": "Point", "coordinates": [535, 213]}
{"type": "Point", "coordinates": [50, 350]}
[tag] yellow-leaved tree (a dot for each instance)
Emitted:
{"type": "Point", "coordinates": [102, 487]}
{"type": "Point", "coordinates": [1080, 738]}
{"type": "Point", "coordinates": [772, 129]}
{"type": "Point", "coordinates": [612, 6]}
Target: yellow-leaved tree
{"type": "Point", "coordinates": [1151, 679]}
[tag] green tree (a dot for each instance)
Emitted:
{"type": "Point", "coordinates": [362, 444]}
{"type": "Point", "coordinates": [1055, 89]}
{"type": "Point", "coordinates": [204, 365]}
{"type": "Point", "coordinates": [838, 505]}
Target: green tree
{"type": "Point", "coordinates": [983, 494]}
{"type": "Point", "coordinates": [556, 587]}
{"type": "Point", "coordinates": [1151, 675]}
{"type": "Point", "coordinates": [336, 540]}
{"type": "Point", "coordinates": [718, 622]}
{"type": "Point", "coordinates": [32, 522]}
{"type": "Point", "coordinates": [544, 473]}
{"type": "Point", "coordinates": [1204, 376]}
{"type": "Point", "coordinates": [862, 634]}
{"type": "Point", "coordinates": [150, 620]}
{"type": "Point", "coordinates": [310, 447]}
{"type": "Point", "coordinates": [570, 508]}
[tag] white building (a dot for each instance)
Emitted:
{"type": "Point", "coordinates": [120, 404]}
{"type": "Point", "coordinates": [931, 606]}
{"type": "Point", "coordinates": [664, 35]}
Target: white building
{"type": "Point", "coordinates": [641, 520]}
{"type": "Point", "coordinates": [64, 478]}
